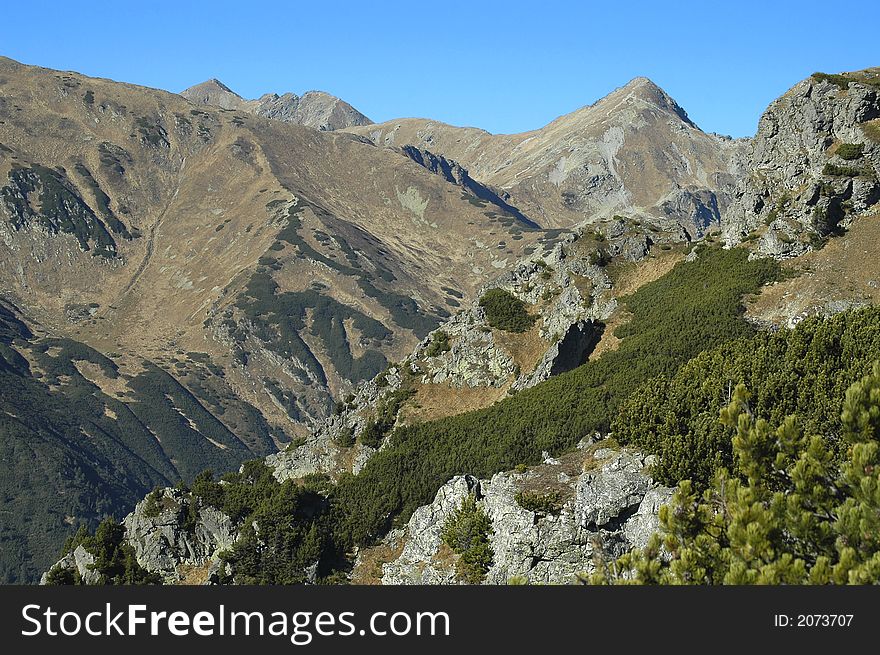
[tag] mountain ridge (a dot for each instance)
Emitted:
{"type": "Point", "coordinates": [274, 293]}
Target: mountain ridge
{"type": "Point", "coordinates": [316, 109]}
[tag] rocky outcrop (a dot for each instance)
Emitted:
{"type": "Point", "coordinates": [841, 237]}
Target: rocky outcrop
{"type": "Point", "coordinates": [167, 531]}
{"type": "Point", "coordinates": [171, 533]}
{"type": "Point", "coordinates": [811, 169]}
{"type": "Point", "coordinates": [609, 506]}
{"type": "Point", "coordinates": [475, 358]}
{"type": "Point", "coordinates": [81, 562]}
{"type": "Point", "coordinates": [333, 447]}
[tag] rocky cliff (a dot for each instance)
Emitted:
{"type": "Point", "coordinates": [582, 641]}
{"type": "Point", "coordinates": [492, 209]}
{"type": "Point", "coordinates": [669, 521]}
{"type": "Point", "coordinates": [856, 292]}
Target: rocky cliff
{"type": "Point", "coordinates": [173, 534]}
{"type": "Point", "coordinates": [812, 167]}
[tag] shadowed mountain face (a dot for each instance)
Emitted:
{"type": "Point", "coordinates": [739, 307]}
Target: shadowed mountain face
{"type": "Point", "coordinates": [316, 109]}
{"type": "Point", "coordinates": [216, 279]}
{"type": "Point", "coordinates": [635, 153]}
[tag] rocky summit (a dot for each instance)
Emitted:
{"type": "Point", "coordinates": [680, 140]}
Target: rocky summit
{"type": "Point", "coordinates": [289, 345]}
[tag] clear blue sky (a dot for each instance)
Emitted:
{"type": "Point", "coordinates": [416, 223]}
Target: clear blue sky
{"type": "Point", "coordinates": [504, 66]}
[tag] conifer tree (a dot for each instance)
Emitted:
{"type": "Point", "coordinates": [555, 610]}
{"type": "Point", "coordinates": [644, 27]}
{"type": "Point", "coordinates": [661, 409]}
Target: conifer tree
{"type": "Point", "coordinates": [794, 514]}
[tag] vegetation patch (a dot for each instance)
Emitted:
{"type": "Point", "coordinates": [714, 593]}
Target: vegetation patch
{"type": "Point", "coordinates": [439, 344]}
{"type": "Point", "coordinates": [291, 533]}
{"type": "Point", "coordinates": [550, 502]}
{"type": "Point", "coordinates": [805, 371]}
{"type": "Point", "coordinates": [796, 510]}
{"type": "Point", "coordinates": [840, 81]}
{"type": "Point", "coordinates": [836, 170]}
{"type": "Point", "coordinates": [467, 532]}
{"type": "Point", "coordinates": [60, 208]}
{"type": "Point", "coordinates": [850, 151]}
{"type": "Point", "coordinates": [505, 311]}
{"type": "Point", "coordinates": [278, 319]}
{"type": "Point", "coordinates": [872, 130]}
{"type": "Point", "coordinates": [115, 561]}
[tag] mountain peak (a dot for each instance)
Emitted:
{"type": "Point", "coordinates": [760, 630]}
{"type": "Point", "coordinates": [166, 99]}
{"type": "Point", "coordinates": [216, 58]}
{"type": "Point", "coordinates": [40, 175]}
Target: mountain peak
{"type": "Point", "coordinates": [647, 90]}
{"type": "Point", "coordinates": [213, 92]}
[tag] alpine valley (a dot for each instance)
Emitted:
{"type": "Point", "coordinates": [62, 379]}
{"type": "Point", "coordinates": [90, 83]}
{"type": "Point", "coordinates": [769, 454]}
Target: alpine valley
{"type": "Point", "coordinates": [269, 341]}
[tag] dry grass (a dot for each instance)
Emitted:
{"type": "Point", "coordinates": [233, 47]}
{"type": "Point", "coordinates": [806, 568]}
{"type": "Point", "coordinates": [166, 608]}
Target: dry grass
{"type": "Point", "coordinates": [630, 277]}
{"type": "Point", "coordinates": [526, 348]}
{"type": "Point", "coordinates": [369, 567]}
{"type": "Point", "coordinates": [435, 401]}
{"type": "Point", "coordinates": [872, 130]}
{"type": "Point", "coordinates": [846, 269]}
{"type": "Point", "coordinates": [193, 575]}
{"type": "Point", "coordinates": [545, 478]}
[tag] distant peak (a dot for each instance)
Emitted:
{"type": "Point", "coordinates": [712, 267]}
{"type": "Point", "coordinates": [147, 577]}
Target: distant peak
{"type": "Point", "coordinates": [209, 86]}
{"type": "Point", "coordinates": [639, 82]}
{"type": "Point", "coordinates": [215, 82]}
{"type": "Point", "coordinates": [648, 91]}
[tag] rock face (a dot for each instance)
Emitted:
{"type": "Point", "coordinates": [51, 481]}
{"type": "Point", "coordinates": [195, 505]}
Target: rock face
{"type": "Point", "coordinates": [608, 510]}
{"type": "Point", "coordinates": [165, 540]}
{"type": "Point", "coordinates": [315, 109]}
{"type": "Point", "coordinates": [570, 290]}
{"type": "Point", "coordinates": [811, 168]}
{"type": "Point", "coordinates": [79, 561]}
{"type": "Point", "coordinates": [169, 535]}
{"type": "Point", "coordinates": [324, 450]}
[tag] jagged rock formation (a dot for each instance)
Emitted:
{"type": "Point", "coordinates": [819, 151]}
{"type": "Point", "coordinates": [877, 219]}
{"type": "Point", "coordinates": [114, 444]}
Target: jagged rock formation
{"type": "Point", "coordinates": [812, 167]}
{"type": "Point", "coordinates": [607, 510]}
{"type": "Point", "coordinates": [333, 447]}
{"type": "Point", "coordinates": [634, 152]}
{"type": "Point", "coordinates": [79, 561]}
{"type": "Point", "coordinates": [172, 534]}
{"type": "Point", "coordinates": [570, 288]}
{"type": "Point", "coordinates": [314, 109]}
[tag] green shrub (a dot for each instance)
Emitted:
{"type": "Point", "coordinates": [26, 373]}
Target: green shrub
{"type": "Point", "coordinates": [505, 311]}
{"type": "Point", "coordinates": [291, 533]}
{"type": "Point", "coordinates": [372, 434]}
{"type": "Point", "coordinates": [439, 344]}
{"type": "Point", "coordinates": [151, 504]}
{"type": "Point", "coordinates": [850, 151]}
{"type": "Point", "coordinates": [344, 438]}
{"type": "Point", "coordinates": [804, 371]}
{"type": "Point", "coordinates": [115, 561]}
{"type": "Point", "coordinates": [467, 532]}
{"type": "Point", "coordinates": [386, 416]}
{"type": "Point", "coordinates": [841, 81]}
{"type": "Point", "coordinates": [795, 513]}
{"type": "Point", "coordinates": [835, 170]}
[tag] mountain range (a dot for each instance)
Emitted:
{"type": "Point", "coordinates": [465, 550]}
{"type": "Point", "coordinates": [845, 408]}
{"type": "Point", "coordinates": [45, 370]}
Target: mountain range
{"type": "Point", "coordinates": [192, 281]}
